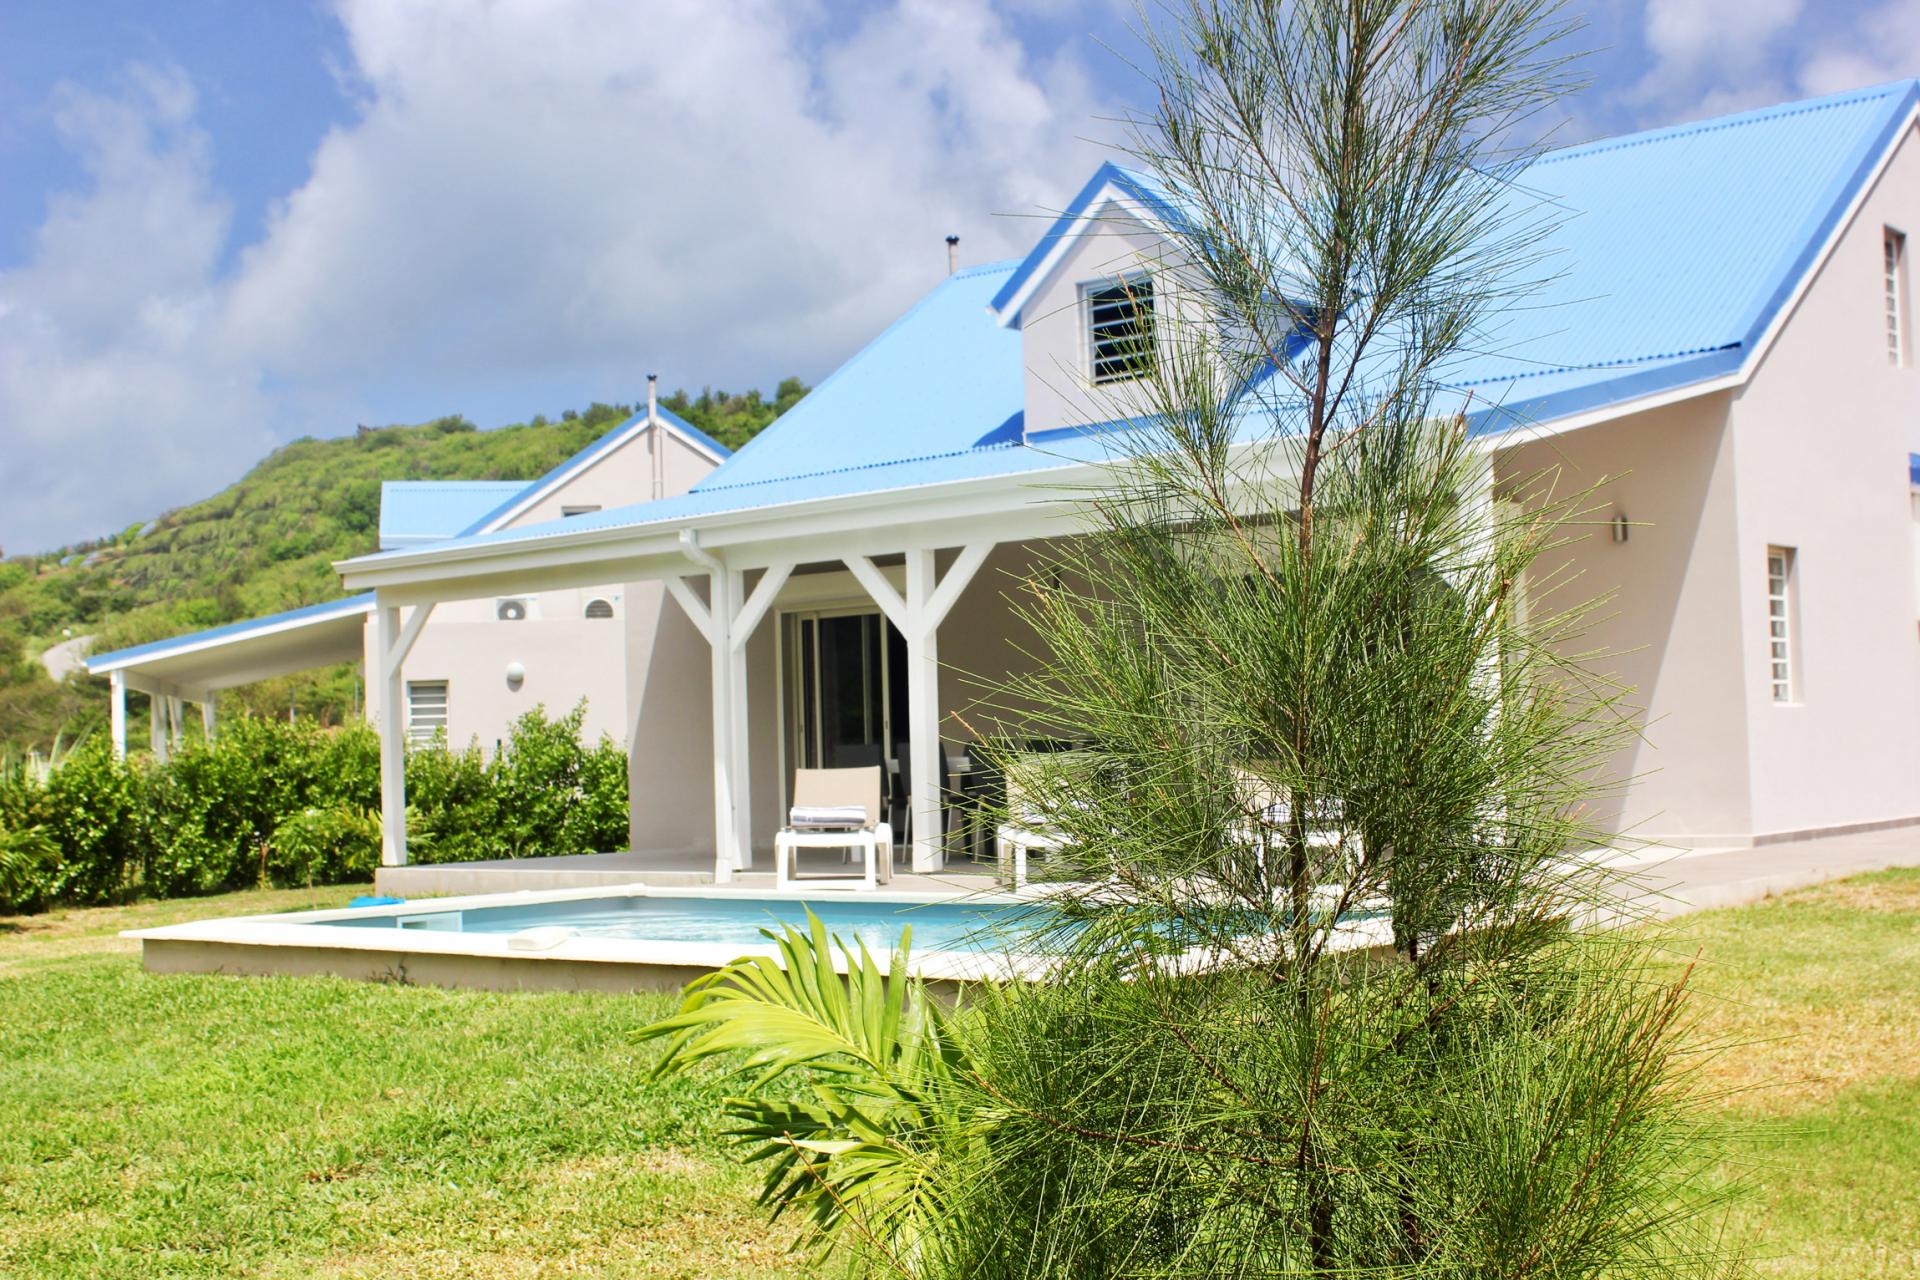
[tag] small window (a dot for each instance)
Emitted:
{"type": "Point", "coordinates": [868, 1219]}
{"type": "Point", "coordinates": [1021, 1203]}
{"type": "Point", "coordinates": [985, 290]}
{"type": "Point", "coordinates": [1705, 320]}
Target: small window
{"type": "Point", "coordinates": [426, 711]}
{"type": "Point", "coordinates": [599, 607]}
{"type": "Point", "coordinates": [1120, 329]}
{"type": "Point", "coordinates": [568, 513]}
{"type": "Point", "coordinates": [1780, 639]}
{"type": "Point", "coordinates": [1893, 283]}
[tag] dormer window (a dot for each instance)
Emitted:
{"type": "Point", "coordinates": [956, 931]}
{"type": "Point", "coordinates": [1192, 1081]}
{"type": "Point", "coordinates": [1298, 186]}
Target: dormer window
{"type": "Point", "coordinates": [1119, 329]}
{"type": "Point", "coordinates": [1893, 286]}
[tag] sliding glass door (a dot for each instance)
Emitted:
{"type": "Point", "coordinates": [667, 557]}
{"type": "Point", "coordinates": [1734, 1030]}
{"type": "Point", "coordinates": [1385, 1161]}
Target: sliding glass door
{"type": "Point", "coordinates": [840, 665]}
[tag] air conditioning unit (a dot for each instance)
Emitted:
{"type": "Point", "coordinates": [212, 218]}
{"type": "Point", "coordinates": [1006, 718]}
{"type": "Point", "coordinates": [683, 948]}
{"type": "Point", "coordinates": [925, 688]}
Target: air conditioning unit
{"type": "Point", "coordinates": [513, 609]}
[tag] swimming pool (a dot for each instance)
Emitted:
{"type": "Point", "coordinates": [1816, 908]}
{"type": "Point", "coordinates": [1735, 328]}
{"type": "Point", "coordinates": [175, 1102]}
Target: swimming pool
{"type": "Point", "coordinates": [609, 938]}
{"type": "Point", "coordinates": [733, 920]}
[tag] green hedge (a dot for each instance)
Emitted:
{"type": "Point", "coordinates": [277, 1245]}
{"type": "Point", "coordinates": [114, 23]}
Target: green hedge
{"type": "Point", "coordinates": [272, 803]}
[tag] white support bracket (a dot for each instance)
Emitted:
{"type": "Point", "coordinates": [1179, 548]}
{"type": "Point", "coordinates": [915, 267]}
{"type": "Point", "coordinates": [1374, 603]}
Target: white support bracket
{"type": "Point", "coordinates": [959, 574]}
{"type": "Point", "coordinates": [691, 605]}
{"type": "Point", "coordinates": [757, 604]}
{"type": "Point", "coordinates": [403, 645]}
{"type": "Point", "coordinates": [881, 590]}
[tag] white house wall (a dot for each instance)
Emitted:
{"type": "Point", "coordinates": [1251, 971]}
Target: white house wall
{"type": "Point", "coordinates": [1670, 630]}
{"type": "Point", "coordinates": [1821, 438]}
{"type": "Point", "coordinates": [565, 656]}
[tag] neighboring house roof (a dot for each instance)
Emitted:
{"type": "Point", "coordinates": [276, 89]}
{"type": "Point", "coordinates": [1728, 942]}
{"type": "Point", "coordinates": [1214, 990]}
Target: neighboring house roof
{"type": "Point", "coordinates": [414, 512]}
{"type": "Point", "coordinates": [242, 652]}
{"type": "Point", "coordinates": [1680, 252]}
{"type": "Point", "coordinates": [498, 515]}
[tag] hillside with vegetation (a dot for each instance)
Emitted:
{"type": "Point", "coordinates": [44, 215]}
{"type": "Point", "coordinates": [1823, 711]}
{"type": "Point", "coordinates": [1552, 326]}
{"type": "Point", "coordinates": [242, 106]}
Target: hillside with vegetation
{"type": "Point", "coordinates": [268, 543]}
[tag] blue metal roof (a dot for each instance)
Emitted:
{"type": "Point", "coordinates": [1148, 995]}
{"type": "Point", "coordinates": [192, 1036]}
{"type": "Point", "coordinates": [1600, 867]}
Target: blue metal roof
{"type": "Point", "coordinates": [588, 456]}
{"type": "Point", "coordinates": [363, 603]}
{"type": "Point", "coordinates": [1679, 249]}
{"type": "Point", "coordinates": [942, 379]}
{"type": "Point", "coordinates": [413, 512]}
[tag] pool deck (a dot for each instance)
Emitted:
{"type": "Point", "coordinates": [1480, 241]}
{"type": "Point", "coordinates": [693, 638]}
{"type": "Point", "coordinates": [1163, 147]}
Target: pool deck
{"type": "Point", "coordinates": [1678, 880]}
{"type": "Point", "coordinates": [587, 870]}
{"type": "Point", "coordinates": [1675, 882]}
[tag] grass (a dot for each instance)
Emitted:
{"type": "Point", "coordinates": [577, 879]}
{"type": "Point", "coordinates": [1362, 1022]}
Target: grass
{"type": "Point", "coordinates": [1817, 994]}
{"type": "Point", "coordinates": [210, 1126]}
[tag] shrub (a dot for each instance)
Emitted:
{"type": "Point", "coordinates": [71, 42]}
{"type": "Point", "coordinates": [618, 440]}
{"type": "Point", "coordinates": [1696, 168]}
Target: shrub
{"type": "Point", "coordinates": [295, 804]}
{"type": "Point", "coordinates": [93, 807]}
{"type": "Point", "coordinates": [324, 846]}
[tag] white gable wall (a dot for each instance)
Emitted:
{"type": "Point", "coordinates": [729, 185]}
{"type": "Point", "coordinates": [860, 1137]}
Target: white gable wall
{"type": "Point", "coordinates": [1821, 436]}
{"type": "Point", "coordinates": [565, 656]}
{"type": "Point", "coordinates": [1053, 326]}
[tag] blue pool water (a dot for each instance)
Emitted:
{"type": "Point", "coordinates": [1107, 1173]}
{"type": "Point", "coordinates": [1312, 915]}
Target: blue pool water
{"type": "Point", "coordinates": [737, 921]}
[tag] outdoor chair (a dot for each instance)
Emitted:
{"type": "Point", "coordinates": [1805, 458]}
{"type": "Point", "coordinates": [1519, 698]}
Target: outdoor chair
{"type": "Point", "coordinates": [836, 809]}
{"type": "Point", "coordinates": [1274, 809]}
{"type": "Point", "coordinates": [1026, 831]}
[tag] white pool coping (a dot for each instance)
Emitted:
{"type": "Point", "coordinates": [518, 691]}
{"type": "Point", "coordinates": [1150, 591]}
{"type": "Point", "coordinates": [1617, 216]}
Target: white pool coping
{"type": "Point", "coordinates": [317, 931]}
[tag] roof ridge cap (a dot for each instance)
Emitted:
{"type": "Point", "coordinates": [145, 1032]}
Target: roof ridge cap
{"type": "Point", "coordinates": [1717, 124]}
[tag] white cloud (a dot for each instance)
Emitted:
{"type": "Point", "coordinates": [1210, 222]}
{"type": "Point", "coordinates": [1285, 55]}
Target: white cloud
{"type": "Point", "coordinates": [532, 196]}
{"type": "Point", "coordinates": [1716, 56]}
{"type": "Point", "coordinates": [110, 404]}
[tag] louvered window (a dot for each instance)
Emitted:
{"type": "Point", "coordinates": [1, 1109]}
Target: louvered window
{"type": "Point", "coordinates": [426, 711]}
{"type": "Point", "coordinates": [1120, 329]}
{"type": "Point", "coordinates": [1780, 622]}
{"type": "Point", "coordinates": [1894, 295]}
{"type": "Point", "coordinates": [599, 607]}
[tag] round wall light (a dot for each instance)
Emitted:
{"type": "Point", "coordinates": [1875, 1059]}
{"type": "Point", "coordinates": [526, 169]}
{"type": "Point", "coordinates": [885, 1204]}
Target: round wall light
{"type": "Point", "coordinates": [516, 675]}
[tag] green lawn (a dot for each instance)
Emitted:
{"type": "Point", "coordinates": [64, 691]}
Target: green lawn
{"type": "Point", "coordinates": [271, 1127]}
{"type": "Point", "coordinates": [189, 1126]}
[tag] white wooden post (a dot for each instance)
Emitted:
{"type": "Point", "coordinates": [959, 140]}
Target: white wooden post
{"type": "Point", "coordinates": [745, 621]}
{"type": "Point", "coordinates": [207, 717]}
{"type": "Point", "coordinates": [726, 837]}
{"type": "Point", "coordinates": [176, 720]}
{"type": "Point", "coordinates": [710, 619]}
{"type": "Point", "coordinates": [391, 644]}
{"type": "Point", "coordinates": [926, 605]}
{"type": "Point", "coordinates": [117, 681]}
{"type": "Point", "coordinates": [393, 741]}
{"type": "Point", "coordinates": [923, 713]}
{"type": "Point", "coordinates": [157, 725]}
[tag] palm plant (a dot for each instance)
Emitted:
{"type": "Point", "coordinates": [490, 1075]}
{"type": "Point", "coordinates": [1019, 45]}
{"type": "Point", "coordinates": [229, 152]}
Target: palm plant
{"type": "Point", "coordinates": [868, 1059]}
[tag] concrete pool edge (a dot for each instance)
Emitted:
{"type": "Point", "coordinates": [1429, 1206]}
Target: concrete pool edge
{"type": "Point", "coordinates": [315, 943]}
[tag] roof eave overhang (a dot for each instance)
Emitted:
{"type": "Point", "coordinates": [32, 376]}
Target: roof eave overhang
{"type": "Point", "coordinates": [1011, 506]}
{"type": "Point", "coordinates": [1106, 199]}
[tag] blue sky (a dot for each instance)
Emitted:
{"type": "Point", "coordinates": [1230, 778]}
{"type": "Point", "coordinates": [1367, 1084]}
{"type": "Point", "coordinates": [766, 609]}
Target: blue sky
{"type": "Point", "coordinates": [225, 224]}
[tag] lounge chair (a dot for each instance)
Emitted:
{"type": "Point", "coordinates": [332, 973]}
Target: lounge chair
{"type": "Point", "coordinates": [836, 809]}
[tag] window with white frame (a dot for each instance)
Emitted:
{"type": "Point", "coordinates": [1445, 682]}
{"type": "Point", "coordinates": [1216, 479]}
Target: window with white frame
{"type": "Point", "coordinates": [426, 711]}
{"type": "Point", "coordinates": [1894, 293]}
{"type": "Point", "coordinates": [1119, 329]}
{"type": "Point", "coordinates": [1780, 638]}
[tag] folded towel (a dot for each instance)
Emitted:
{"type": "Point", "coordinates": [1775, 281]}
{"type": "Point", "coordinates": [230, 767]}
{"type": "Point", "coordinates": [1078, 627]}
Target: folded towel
{"type": "Point", "coordinates": [827, 817]}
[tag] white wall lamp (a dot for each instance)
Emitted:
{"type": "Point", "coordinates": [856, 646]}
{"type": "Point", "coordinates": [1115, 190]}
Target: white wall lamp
{"type": "Point", "coordinates": [1620, 526]}
{"type": "Point", "coordinates": [516, 676]}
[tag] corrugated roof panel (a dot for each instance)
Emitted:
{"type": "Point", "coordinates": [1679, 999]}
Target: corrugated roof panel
{"type": "Point", "coordinates": [1677, 241]}
{"type": "Point", "coordinates": [585, 458]}
{"type": "Point", "coordinates": [413, 512]}
{"type": "Point", "coordinates": [938, 380]}
{"type": "Point", "coordinates": [311, 614]}
{"type": "Point", "coordinates": [1680, 246]}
